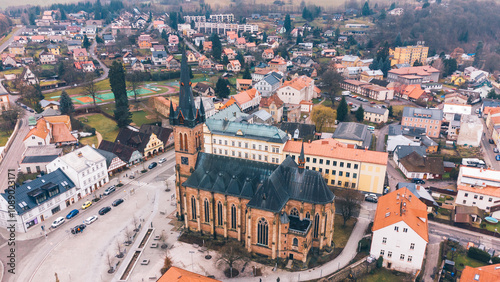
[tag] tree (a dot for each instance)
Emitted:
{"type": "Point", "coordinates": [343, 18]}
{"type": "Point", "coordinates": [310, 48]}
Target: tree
{"type": "Point", "coordinates": [225, 60]}
{"type": "Point", "coordinates": [90, 86]}
{"type": "Point", "coordinates": [150, 18]}
{"type": "Point", "coordinates": [231, 253]}
{"type": "Point", "coordinates": [134, 80]}
{"type": "Point", "coordinates": [216, 46]}
{"type": "Point", "coordinates": [322, 116]}
{"type": "Point", "coordinates": [398, 42]}
{"type": "Point", "coordinates": [391, 111]}
{"type": "Point", "coordinates": [491, 94]}
{"type": "Point", "coordinates": [393, 6]}
{"type": "Point", "coordinates": [221, 88]}
{"type": "Point", "coordinates": [348, 202]}
{"type": "Point", "coordinates": [66, 104]}
{"type": "Point", "coordinates": [264, 37]}
{"type": "Point", "coordinates": [417, 63]}
{"type": "Point", "coordinates": [360, 113]}
{"type": "Point", "coordinates": [167, 263]}
{"type": "Point", "coordinates": [287, 24]}
{"type": "Point", "coordinates": [119, 249]}
{"type": "Point", "coordinates": [331, 82]}
{"type": "Point", "coordinates": [63, 15]}
{"type": "Point", "coordinates": [10, 117]}
{"type": "Point", "coordinates": [86, 43]}
{"type": "Point", "coordinates": [119, 89]}
{"type": "Point", "coordinates": [240, 58]}
{"type": "Point", "coordinates": [342, 110]}
{"type": "Point", "coordinates": [246, 74]}
{"type": "Point", "coordinates": [173, 20]}
{"type": "Point", "coordinates": [366, 9]}
{"type": "Point", "coordinates": [299, 38]}
{"type": "Point", "coordinates": [98, 39]}
{"type": "Point", "coordinates": [32, 19]}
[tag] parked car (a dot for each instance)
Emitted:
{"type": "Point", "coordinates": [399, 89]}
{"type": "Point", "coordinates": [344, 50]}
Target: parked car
{"type": "Point", "coordinates": [497, 157]}
{"type": "Point", "coordinates": [109, 190]}
{"type": "Point", "coordinates": [491, 141]}
{"type": "Point", "coordinates": [162, 160]}
{"type": "Point", "coordinates": [72, 213]}
{"type": "Point", "coordinates": [90, 220]}
{"type": "Point", "coordinates": [152, 165]}
{"type": "Point", "coordinates": [417, 181]}
{"type": "Point", "coordinates": [495, 150]}
{"type": "Point", "coordinates": [131, 176]}
{"type": "Point", "coordinates": [371, 198]}
{"type": "Point", "coordinates": [104, 210]}
{"type": "Point", "coordinates": [372, 102]}
{"type": "Point", "coordinates": [86, 205]}
{"type": "Point", "coordinates": [117, 202]}
{"type": "Point", "coordinates": [78, 229]}
{"type": "Point", "coordinates": [58, 222]}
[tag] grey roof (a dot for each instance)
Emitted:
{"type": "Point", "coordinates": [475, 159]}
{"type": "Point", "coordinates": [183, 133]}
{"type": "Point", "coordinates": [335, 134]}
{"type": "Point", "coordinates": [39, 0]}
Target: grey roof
{"type": "Point", "coordinates": [47, 113]}
{"type": "Point", "coordinates": [263, 115]}
{"type": "Point", "coordinates": [304, 130]}
{"type": "Point", "coordinates": [427, 141]}
{"type": "Point", "coordinates": [160, 54]}
{"type": "Point", "coordinates": [248, 130]}
{"type": "Point", "coordinates": [44, 103]}
{"type": "Point", "coordinates": [353, 131]}
{"type": "Point", "coordinates": [271, 79]}
{"type": "Point", "coordinates": [208, 103]}
{"type": "Point", "coordinates": [231, 113]}
{"type": "Point", "coordinates": [25, 194]}
{"type": "Point", "coordinates": [108, 155]}
{"type": "Point", "coordinates": [302, 59]}
{"type": "Point", "coordinates": [434, 114]}
{"type": "Point", "coordinates": [107, 36]}
{"type": "Point", "coordinates": [396, 129]}
{"type": "Point", "coordinates": [375, 110]}
{"type": "Point", "coordinates": [44, 150]}
{"type": "Point", "coordinates": [268, 186]}
{"type": "Point", "coordinates": [420, 193]}
{"type": "Point", "coordinates": [491, 103]}
{"type": "Point", "coordinates": [403, 150]}
{"type": "Point", "coordinates": [39, 159]}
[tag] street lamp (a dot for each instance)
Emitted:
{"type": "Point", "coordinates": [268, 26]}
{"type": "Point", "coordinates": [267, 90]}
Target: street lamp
{"type": "Point", "coordinates": [192, 262]}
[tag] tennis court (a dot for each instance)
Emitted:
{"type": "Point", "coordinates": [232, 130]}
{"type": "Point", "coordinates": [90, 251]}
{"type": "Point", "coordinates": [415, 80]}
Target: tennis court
{"type": "Point", "coordinates": [86, 99]}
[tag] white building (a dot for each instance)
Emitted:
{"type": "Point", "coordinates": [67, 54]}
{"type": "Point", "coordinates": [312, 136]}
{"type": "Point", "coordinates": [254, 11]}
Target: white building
{"type": "Point", "coordinates": [471, 131]}
{"type": "Point", "coordinates": [299, 89]}
{"type": "Point", "coordinates": [85, 167]}
{"type": "Point", "coordinates": [38, 200]}
{"type": "Point", "coordinates": [269, 84]}
{"type": "Point", "coordinates": [250, 141]}
{"type": "Point", "coordinates": [400, 231]}
{"type": "Point", "coordinates": [450, 110]}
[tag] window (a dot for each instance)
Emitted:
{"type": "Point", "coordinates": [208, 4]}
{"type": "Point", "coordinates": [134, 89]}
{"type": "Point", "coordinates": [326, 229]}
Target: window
{"type": "Point", "coordinates": [382, 252]}
{"type": "Point", "coordinates": [389, 254]}
{"type": "Point", "coordinates": [384, 240]}
{"type": "Point", "coordinates": [347, 174]}
{"type": "Point", "coordinates": [409, 258]}
{"type": "Point", "coordinates": [225, 142]}
{"type": "Point", "coordinates": [294, 211]}
{"type": "Point", "coordinates": [475, 196]}
{"type": "Point", "coordinates": [308, 159]}
{"type": "Point", "coordinates": [341, 164]}
{"type": "Point", "coordinates": [320, 161]}
{"type": "Point", "coordinates": [239, 144]}
{"type": "Point", "coordinates": [266, 148]}
{"type": "Point", "coordinates": [490, 199]}
{"type": "Point", "coordinates": [480, 197]}
{"type": "Point", "coordinates": [396, 228]}
{"type": "Point", "coordinates": [332, 181]}
{"type": "Point", "coordinates": [233, 153]}
{"type": "Point", "coordinates": [295, 242]}
{"type": "Point", "coordinates": [327, 171]}
{"type": "Point", "coordinates": [402, 257]}
{"type": "Point", "coordinates": [353, 185]}
{"type": "Point", "coordinates": [339, 183]}
{"type": "Point", "coordinates": [354, 175]}
{"type": "Point", "coordinates": [405, 230]}
{"type": "Point", "coordinates": [219, 213]}
{"type": "Point", "coordinates": [207, 211]}
{"type": "Point", "coordinates": [308, 215]}
{"type": "Point", "coordinates": [262, 232]}
{"type": "Point", "coordinates": [327, 162]}
{"type": "Point", "coordinates": [220, 141]}
{"type": "Point", "coordinates": [466, 194]}
{"type": "Point", "coordinates": [253, 146]}
{"type": "Point", "coordinates": [341, 173]}
{"type": "Point", "coordinates": [233, 217]}
{"type": "Point", "coordinates": [193, 208]}
{"type": "Point", "coordinates": [232, 143]}
{"type": "Point", "coordinates": [246, 145]}
{"type": "Point", "coordinates": [348, 165]}
{"type": "Point", "coordinates": [215, 141]}
{"type": "Point", "coordinates": [316, 226]}
{"type": "Point", "coordinates": [346, 184]}
{"type": "Point", "coordinates": [239, 154]}
{"type": "Point", "coordinates": [334, 163]}
{"type": "Point", "coordinates": [412, 246]}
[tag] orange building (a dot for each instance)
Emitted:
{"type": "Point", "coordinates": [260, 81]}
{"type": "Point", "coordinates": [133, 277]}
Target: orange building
{"type": "Point", "coordinates": [175, 274]}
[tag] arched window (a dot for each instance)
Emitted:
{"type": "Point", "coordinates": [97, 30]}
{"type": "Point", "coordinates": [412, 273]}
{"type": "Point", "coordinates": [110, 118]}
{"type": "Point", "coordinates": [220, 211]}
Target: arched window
{"type": "Point", "coordinates": [295, 242]}
{"type": "Point", "coordinates": [207, 211]}
{"type": "Point", "coordinates": [181, 141]}
{"type": "Point", "coordinates": [185, 142]}
{"type": "Point", "coordinates": [196, 139]}
{"type": "Point", "coordinates": [219, 213]}
{"type": "Point", "coordinates": [262, 232]}
{"type": "Point", "coordinates": [294, 211]}
{"type": "Point", "coordinates": [308, 215]}
{"type": "Point", "coordinates": [233, 217]}
{"type": "Point", "coordinates": [316, 226]}
{"type": "Point", "coordinates": [193, 208]}
{"type": "Point", "coordinates": [326, 220]}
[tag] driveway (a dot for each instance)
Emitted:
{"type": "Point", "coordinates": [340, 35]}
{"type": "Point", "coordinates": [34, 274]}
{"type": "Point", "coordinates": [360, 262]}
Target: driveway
{"type": "Point", "coordinates": [381, 133]}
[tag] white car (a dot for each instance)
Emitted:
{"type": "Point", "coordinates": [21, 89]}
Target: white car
{"type": "Point", "coordinates": [162, 160]}
{"type": "Point", "coordinates": [90, 219]}
{"type": "Point", "coordinates": [57, 222]}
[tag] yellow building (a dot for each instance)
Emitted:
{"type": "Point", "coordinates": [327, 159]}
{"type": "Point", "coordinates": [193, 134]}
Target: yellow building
{"type": "Point", "coordinates": [458, 80]}
{"type": "Point", "coordinates": [408, 54]}
{"type": "Point", "coordinates": [342, 165]}
{"type": "Point", "coordinates": [54, 49]}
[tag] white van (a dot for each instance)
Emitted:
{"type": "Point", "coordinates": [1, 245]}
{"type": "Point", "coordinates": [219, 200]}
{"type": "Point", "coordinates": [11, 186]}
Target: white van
{"type": "Point", "coordinates": [57, 222]}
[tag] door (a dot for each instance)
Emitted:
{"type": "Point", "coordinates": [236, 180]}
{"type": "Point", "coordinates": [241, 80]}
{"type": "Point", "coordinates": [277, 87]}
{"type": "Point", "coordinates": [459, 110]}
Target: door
{"type": "Point", "coordinates": [41, 218]}
{"type": "Point", "coordinates": [389, 264]}
{"type": "Point", "coordinates": [290, 256]}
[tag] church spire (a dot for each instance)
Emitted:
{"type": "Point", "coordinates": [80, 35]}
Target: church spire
{"type": "Point", "coordinates": [302, 159]}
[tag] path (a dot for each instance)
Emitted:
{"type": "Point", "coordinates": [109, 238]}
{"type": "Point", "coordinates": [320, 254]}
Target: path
{"type": "Point", "coordinates": [381, 133]}
{"type": "Point", "coordinates": [99, 138]}
{"type": "Point", "coordinates": [431, 257]}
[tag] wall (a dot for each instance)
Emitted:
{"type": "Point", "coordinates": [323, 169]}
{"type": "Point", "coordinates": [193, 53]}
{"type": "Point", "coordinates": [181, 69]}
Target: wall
{"type": "Point", "coordinates": [357, 269]}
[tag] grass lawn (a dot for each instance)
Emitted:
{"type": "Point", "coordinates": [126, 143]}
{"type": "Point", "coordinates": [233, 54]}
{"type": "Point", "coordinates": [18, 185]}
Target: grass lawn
{"type": "Point", "coordinates": [461, 260]}
{"type": "Point", "coordinates": [89, 140]}
{"type": "Point", "coordinates": [4, 137]}
{"type": "Point", "coordinates": [47, 67]}
{"type": "Point", "coordinates": [108, 108]}
{"type": "Point", "coordinates": [342, 233]}
{"type": "Point", "coordinates": [382, 275]}
{"type": "Point", "coordinates": [399, 108]}
{"type": "Point", "coordinates": [105, 126]}
{"type": "Point", "coordinates": [139, 118]}
{"type": "Point", "coordinates": [101, 85]}
{"type": "Point", "coordinates": [13, 71]}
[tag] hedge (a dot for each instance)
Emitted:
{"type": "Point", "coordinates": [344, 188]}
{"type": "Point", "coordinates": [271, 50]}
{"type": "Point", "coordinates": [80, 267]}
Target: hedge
{"type": "Point", "coordinates": [495, 260]}
{"type": "Point", "coordinates": [478, 254]}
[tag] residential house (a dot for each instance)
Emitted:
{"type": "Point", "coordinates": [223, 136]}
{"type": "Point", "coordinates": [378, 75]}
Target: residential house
{"type": "Point", "coordinates": [144, 41]}
{"type": "Point", "coordinates": [450, 110]}
{"type": "Point", "coordinates": [50, 130]}
{"type": "Point", "coordinates": [17, 49]}
{"type": "Point", "coordinates": [371, 74]}
{"type": "Point", "coordinates": [36, 158]}
{"type": "Point", "coordinates": [175, 274]}
{"type": "Point", "coordinates": [207, 46]}
{"type": "Point", "coordinates": [251, 47]}
{"type": "Point", "coordinates": [302, 61]}
{"type": "Point", "coordinates": [467, 215]}
{"type": "Point", "coordinates": [159, 58]}
{"type": "Point", "coordinates": [353, 133]}
{"type": "Point", "coordinates": [241, 43]}
{"type": "Point", "coordinates": [408, 75]}
{"type": "Point", "coordinates": [243, 84]}
{"type": "Point", "coordinates": [430, 119]}
{"type": "Point", "coordinates": [278, 64]}
{"type": "Point", "coordinates": [89, 30]}
{"type": "Point", "coordinates": [411, 92]}
{"type": "Point", "coordinates": [54, 49]}
{"type": "Point", "coordinates": [376, 114]}
{"type": "Point", "coordinates": [73, 45]}
{"type": "Point", "coordinates": [113, 162]}
{"type": "Point", "coordinates": [80, 54]}
{"type": "Point", "coordinates": [4, 102]}
{"type": "Point", "coordinates": [137, 65]}
{"type": "Point", "coordinates": [9, 61]}
{"type": "Point", "coordinates": [191, 57]}
{"type": "Point", "coordinates": [481, 273]}
{"type": "Point", "coordinates": [172, 63]}
{"type": "Point", "coordinates": [306, 106]}
{"type": "Point", "coordinates": [147, 144]}
{"type": "Point", "coordinates": [297, 90]}
{"type": "Point", "coordinates": [85, 167]}
{"type": "Point", "coordinates": [85, 66]}
{"type": "Point", "coordinates": [354, 72]}
{"type": "Point", "coordinates": [45, 104]}
{"type": "Point", "coordinates": [329, 53]}
{"type": "Point", "coordinates": [47, 58]}
{"type": "Point", "coordinates": [400, 231]}
{"type": "Point", "coordinates": [208, 105]}
{"type": "Point", "coordinates": [127, 154]}
{"type": "Point", "coordinates": [415, 165]}
{"type": "Point", "coordinates": [246, 100]}
{"type": "Point", "coordinates": [274, 106]}
{"type": "Point", "coordinates": [402, 151]}
{"type": "Point", "coordinates": [268, 54]}
{"type": "Point", "coordinates": [164, 134]}
{"type": "Point", "coordinates": [233, 66]}
{"type": "Point", "coordinates": [173, 40]}
{"type": "Point", "coordinates": [37, 201]}
{"type": "Point", "coordinates": [367, 89]}
{"type": "Point", "coordinates": [28, 76]}
{"type": "Point", "coordinates": [341, 165]}
{"type": "Point", "coordinates": [455, 98]}
{"type": "Point", "coordinates": [479, 187]}
{"type": "Point", "coordinates": [422, 194]}
{"type": "Point", "coordinates": [231, 55]}
{"type": "Point", "coordinates": [108, 38]}
{"type": "Point", "coordinates": [204, 62]}
{"type": "Point", "coordinates": [203, 89]}
{"type": "Point", "coordinates": [269, 83]}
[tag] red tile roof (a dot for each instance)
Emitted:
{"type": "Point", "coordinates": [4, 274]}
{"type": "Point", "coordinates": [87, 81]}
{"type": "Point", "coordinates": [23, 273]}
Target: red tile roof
{"type": "Point", "coordinates": [175, 274]}
{"type": "Point", "coordinates": [481, 274]}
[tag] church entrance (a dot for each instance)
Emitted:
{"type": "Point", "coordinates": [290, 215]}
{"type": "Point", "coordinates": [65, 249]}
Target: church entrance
{"type": "Point", "coordinates": [290, 256]}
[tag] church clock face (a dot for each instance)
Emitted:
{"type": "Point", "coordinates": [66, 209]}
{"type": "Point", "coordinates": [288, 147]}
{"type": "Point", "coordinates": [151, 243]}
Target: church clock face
{"type": "Point", "coordinates": [184, 161]}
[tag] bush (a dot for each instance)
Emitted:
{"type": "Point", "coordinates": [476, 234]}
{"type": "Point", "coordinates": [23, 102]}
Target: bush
{"type": "Point", "coordinates": [495, 260]}
{"type": "Point", "coordinates": [478, 254]}
{"type": "Point", "coordinates": [380, 262]}
{"type": "Point", "coordinates": [449, 198]}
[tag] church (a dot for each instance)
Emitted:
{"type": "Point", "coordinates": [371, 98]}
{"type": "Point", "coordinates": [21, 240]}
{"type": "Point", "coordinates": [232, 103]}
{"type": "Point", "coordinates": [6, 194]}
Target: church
{"type": "Point", "coordinates": [276, 210]}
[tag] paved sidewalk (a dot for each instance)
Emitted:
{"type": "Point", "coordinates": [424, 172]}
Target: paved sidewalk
{"type": "Point", "coordinates": [431, 257]}
{"type": "Point", "coordinates": [328, 268]}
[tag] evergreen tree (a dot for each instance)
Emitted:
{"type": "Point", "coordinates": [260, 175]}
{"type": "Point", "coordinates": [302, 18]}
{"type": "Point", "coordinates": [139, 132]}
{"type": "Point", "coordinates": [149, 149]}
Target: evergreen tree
{"type": "Point", "coordinates": [366, 9]}
{"type": "Point", "coordinates": [221, 88]}
{"type": "Point", "coordinates": [393, 6]}
{"type": "Point", "coordinates": [191, 73]}
{"type": "Point", "coordinates": [391, 111]}
{"type": "Point", "coordinates": [382, 15]}
{"type": "Point", "coordinates": [246, 74]}
{"type": "Point", "coordinates": [119, 89]}
{"type": "Point", "coordinates": [63, 15]}
{"type": "Point", "coordinates": [240, 58]}
{"type": "Point", "coordinates": [299, 38]}
{"type": "Point", "coordinates": [98, 39]}
{"type": "Point", "coordinates": [225, 60]}
{"type": "Point", "coordinates": [287, 24]}
{"type": "Point", "coordinates": [86, 43]}
{"type": "Point", "coordinates": [66, 104]}
{"type": "Point", "coordinates": [342, 110]}
{"type": "Point", "coordinates": [216, 46]}
{"type": "Point", "coordinates": [32, 19]}
{"type": "Point", "coordinates": [360, 113]}
{"type": "Point", "coordinates": [417, 63]}
{"type": "Point", "coordinates": [150, 17]}
{"type": "Point", "coordinates": [173, 20]}
{"type": "Point", "coordinates": [193, 25]}
{"type": "Point", "coordinates": [398, 42]}
{"type": "Point", "coordinates": [264, 37]}
{"type": "Point", "coordinates": [164, 35]}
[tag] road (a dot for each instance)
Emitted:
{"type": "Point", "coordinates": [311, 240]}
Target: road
{"type": "Point", "coordinates": [7, 43]}
{"type": "Point", "coordinates": [381, 133]}
{"type": "Point", "coordinates": [64, 253]}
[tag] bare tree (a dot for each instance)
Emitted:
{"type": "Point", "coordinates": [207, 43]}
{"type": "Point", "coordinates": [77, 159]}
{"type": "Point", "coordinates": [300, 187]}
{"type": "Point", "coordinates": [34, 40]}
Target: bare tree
{"type": "Point", "coordinates": [128, 235]}
{"type": "Point", "coordinates": [348, 202]}
{"type": "Point", "coordinates": [231, 253]}
{"type": "Point", "coordinates": [119, 249]}
{"type": "Point", "coordinates": [109, 258]}
{"type": "Point", "coordinates": [135, 223]}
{"type": "Point", "coordinates": [90, 86]}
{"type": "Point", "coordinates": [134, 81]}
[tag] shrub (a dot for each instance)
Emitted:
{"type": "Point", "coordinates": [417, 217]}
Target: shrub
{"type": "Point", "coordinates": [478, 254]}
{"type": "Point", "coordinates": [495, 260]}
{"type": "Point", "coordinates": [449, 198]}
{"type": "Point", "coordinates": [380, 262]}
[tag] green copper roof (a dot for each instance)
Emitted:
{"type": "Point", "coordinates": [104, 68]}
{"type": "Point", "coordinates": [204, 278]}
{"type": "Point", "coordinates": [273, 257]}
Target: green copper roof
{"type": "Point", "coordinates": [248, 130]}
